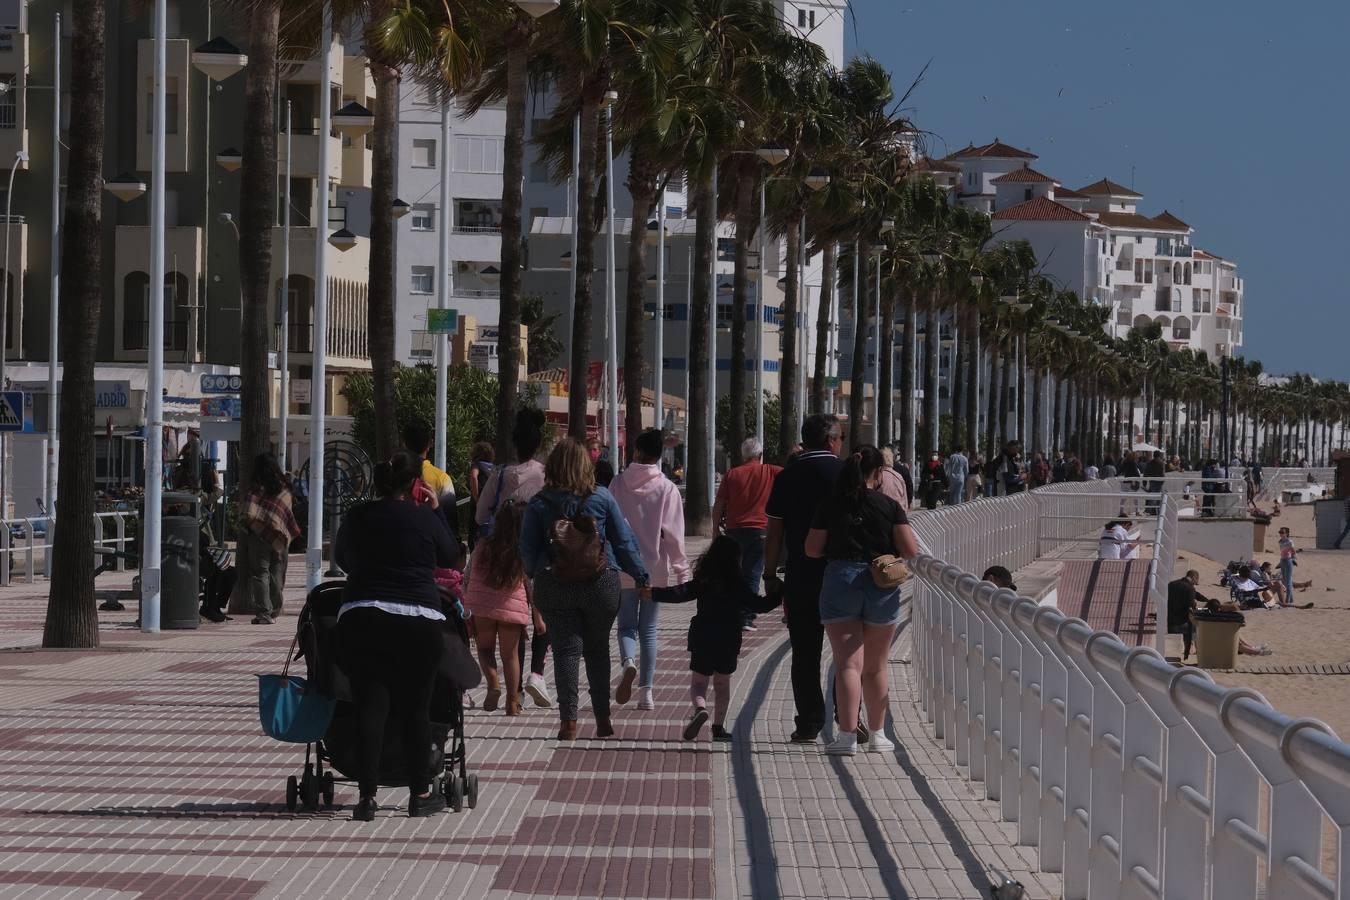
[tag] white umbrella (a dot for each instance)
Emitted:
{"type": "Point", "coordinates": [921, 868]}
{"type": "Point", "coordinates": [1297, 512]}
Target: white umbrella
{"type": "Point", "coordinates": [1145, 448]}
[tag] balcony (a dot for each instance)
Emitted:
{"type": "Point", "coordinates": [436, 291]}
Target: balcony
{"type": "Point", "coordinates": [1175, 251]}
{"type": "Point", "coordinates": [301, 337]}
{"type": "Point", "coordinates": [131, 285]}
{"type": "Point", "coordinates": [136, 335]}
{"type": "Point", "coordinates": [14, 64]}
{"type": "Point", "coordinates": [305, 152]}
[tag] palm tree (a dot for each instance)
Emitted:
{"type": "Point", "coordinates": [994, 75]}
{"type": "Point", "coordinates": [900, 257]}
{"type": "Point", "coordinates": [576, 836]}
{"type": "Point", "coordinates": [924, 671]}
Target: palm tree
{"type": "Point", "coordinates": [72, 620]}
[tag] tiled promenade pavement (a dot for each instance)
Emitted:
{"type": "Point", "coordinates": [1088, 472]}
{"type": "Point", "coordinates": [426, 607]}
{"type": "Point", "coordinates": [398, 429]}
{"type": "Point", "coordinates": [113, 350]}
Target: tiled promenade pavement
{"type": "Point", "coordinates": [139, 771]}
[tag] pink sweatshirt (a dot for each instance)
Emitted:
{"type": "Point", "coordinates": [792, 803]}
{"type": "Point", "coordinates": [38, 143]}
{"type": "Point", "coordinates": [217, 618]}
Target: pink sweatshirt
{"type": "Point", "coordinates": [655, 512]}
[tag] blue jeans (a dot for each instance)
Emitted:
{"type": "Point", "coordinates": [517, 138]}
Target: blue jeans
{"type": "Point", "coordinates": [956, 491]}
{"type": "Point", "coordinates": [751, 541]}
{"type": "Point", "coordinates": [849, 594]}
{"type": "Point", "coordinates": [1287, 573]}
{"type": "Point", "coordinates": [637, 625]}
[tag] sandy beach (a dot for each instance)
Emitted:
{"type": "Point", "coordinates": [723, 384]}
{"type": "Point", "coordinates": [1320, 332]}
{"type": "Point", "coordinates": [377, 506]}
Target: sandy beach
{"type": "Point", "coordinates": [1308, 674]}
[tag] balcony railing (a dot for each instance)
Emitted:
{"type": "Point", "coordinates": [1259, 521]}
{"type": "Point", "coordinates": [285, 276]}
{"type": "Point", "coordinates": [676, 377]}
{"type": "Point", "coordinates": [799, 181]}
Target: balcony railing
{"type": "Point", "coordinates": [301, 337]}
{"type": "Point", "coordinates": [136, 335]}
{"type": "Point", "coordinates": [477, 293]}
{"type": "Point", "coordinates": [494, 228]}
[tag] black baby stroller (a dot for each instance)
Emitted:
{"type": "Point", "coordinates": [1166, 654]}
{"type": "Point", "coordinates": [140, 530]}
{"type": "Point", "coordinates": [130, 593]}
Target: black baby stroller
{"type": "Point", "coordinates": [317, 636]}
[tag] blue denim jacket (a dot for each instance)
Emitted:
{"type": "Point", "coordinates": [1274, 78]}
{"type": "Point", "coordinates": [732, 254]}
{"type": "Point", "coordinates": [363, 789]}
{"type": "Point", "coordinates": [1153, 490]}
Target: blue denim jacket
{"type": "Point", "coordinates": [546, 507]}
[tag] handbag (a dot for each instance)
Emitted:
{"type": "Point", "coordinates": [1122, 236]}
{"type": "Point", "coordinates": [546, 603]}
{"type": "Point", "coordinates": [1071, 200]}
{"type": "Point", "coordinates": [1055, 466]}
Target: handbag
{"type": "Point", "coordinates": [889, 571]}
{"type": "Point", "coordinates": [289, 709]}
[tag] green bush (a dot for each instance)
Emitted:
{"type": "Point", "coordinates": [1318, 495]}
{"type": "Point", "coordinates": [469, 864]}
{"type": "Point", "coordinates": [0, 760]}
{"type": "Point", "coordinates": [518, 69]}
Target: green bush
{"type": "Point", "coordinates": [773, 413]}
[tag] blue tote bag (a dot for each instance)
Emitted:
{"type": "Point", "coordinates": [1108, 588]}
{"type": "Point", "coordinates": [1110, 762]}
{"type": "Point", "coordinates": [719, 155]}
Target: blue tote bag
{"type": "Point", "coordinates": [289, 709]}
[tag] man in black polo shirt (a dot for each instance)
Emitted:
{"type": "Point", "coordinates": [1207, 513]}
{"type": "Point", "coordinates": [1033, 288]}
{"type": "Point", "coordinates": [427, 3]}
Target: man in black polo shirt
{"type": "Point", "coordinates": [1182, 600]}
{"type": "Point", "coordinates": [797, 491]}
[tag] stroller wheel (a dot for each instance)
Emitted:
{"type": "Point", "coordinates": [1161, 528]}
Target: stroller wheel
{"type": "Point", "coordinates": [292, 793]}
{"type": "Point", "coordinates": [327, 789]}
{"type": "Point", "coordinates": [309, 791]}
{"type": "Point", "coordinates": [471, 791]}
{"type": "Point", "coordinates": [454, 794]}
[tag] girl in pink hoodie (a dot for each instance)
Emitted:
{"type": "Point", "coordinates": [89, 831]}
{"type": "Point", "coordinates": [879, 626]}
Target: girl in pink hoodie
{"type": "Point", "coordinates": [655, 512]}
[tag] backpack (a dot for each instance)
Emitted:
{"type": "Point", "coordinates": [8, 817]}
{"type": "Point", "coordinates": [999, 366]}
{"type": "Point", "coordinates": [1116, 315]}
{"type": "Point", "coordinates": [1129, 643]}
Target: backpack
{"type": "Point", "coordinates": [578, 549]}
{"type": "Point", "coordinates": [485, 530]}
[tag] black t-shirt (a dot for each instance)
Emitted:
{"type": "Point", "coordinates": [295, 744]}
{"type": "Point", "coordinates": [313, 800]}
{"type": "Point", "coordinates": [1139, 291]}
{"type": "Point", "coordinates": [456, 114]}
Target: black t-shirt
{"type": "Point", "coordinates": [1180, 600]}
{"type": "Point", "coordinates": [796, 492]}
{"type": "Point", "coordinates": [859, 530]}
{"type": "Point", "coordinates": [389, 549]}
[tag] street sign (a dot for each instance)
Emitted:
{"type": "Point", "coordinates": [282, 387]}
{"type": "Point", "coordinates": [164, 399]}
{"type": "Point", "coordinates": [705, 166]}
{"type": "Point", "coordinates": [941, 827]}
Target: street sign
{"type": "Point", "coordinates": [222, 407]}
{"type": "Point", "coordinates": [222, 384]}
{"type": "Point", "coordinates": [442, 321]}
{"type": "Point", "coordinates": [11, 411]}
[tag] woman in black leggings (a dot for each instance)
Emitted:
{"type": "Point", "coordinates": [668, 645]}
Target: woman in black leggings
{"type": "Point", "coordinates": [389, 627]}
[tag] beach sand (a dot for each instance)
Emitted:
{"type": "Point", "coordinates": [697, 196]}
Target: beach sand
{"type": "Point", "coordinates": [1308, 674]}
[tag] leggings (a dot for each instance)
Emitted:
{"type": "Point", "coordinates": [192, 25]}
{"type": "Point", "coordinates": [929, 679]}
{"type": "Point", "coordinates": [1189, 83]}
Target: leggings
{"type": "Point", "coordinates": [580, 619]}
{"type": "Point", "coordinates": [391, 662]}
{"type": "Point", "coordinates": [538, 651]}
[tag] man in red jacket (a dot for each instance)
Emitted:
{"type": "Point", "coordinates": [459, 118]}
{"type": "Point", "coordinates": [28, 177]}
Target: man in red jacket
{"type": "Point", "coordinates": [741, 499]}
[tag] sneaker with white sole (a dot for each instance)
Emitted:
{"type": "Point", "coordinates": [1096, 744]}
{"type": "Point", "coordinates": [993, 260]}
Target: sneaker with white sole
{"type": "Point", "coordinates": [624, 693]}
{"type": "Point", "coordinates": [645, 700]}
{"type": "Point", "coordinates": [843, 745]}
{"type": "Point", "coordinates": [538, 690]}
{"type": "Point", "coordinates": [879, 743]}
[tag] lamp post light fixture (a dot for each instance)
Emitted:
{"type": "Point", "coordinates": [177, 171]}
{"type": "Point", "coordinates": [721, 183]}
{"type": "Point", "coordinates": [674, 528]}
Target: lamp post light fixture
{"type": "Point", "coordinates": [230, 159]}
{"type": "Point", "coordinates": [353, 120]}
{"type": "Point", "coordinates": [218, 59]}
{"type": "Point", "coordinates": [818, 179]}
{"type": "Point", "coordinates": [537, 8]}
{"type": "Point", "coordinates": [653, 236]}
{"type": "Point", "coordinates": [565, 261]}
{"type": "Point", "coordinates": [126, 187]}
{"type": "Point", "coordinates": [773, 153]}
{"type": "Point", "coordinates": [342, 239]}
{"type": "Point", "coordinates": [400, 208]}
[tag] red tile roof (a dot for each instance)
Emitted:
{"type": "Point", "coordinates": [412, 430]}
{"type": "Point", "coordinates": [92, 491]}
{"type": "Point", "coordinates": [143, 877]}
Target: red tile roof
{"type": "Point", "coordinates": [1107, 187]}
{"type": "Point", "coordinates": [995, 149]}
{"type": "Point", "coordinates": [1041, 209]}
{"type": "Point", "coordinates": [1167, 220]}
{"type": "Point", "coordinates": [1024, 175]}
{"type": "Point", "coordinates": [926, 164]}
{"type": "Point", "coordinates": [1062, 191]}
{"type": "Point", "coordinates": [1137, 222]}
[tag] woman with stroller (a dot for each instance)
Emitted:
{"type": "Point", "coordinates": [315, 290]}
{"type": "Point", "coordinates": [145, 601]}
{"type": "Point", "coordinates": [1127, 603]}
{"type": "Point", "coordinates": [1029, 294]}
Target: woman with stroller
{"type": "Point", "coordinates": [389, 627]}
{"type": "Point", "coordinates": [267, 528]}
{"type": "Point", "coordinates": [497, 597]}
{"type": "Point", "coordinates": [577, 589]}
{"type": "Point", "coordinates": [852, 527]}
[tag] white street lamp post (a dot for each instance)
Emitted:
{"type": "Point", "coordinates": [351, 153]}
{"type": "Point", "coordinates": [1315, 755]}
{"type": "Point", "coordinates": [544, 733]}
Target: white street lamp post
{"type": "Point", "coordinates": [712, 347]}
{"type": "Point", "coordinates": [154, 394]}
{"type": "Point", "coordinates": [318, 388]}
{"type": "Point", "coordinates": [443, 289]}
{"type": "Point", "coordinates": [53, 343]}
{"type": "Point", "coordinates": [658, 376]}
{"type": "Point", "coordinates": [20, 156]}
{"type": "Point", "coordinates": [759, 318]}
{"type": "Point", "coordinates": [284, 356]}
{"type": "Point", "coordinates": [611, 303]}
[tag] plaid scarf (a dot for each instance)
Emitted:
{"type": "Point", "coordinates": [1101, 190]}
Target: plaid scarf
{"type": "Point", "coordinates": [270, 518]}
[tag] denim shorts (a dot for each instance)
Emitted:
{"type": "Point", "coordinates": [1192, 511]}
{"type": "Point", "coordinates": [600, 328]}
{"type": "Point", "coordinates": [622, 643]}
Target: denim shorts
{"type": "Point", "coordinates": [849, 594]}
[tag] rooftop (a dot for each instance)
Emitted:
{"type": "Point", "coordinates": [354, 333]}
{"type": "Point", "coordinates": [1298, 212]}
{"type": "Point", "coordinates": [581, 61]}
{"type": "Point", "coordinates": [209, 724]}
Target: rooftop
{"type": "Point", "coordinates": [928, 164]}
{"type": "Point", "coordinates": [995, 149]}
{"type": "Point", "coordinates": [1139, 222]}
{"type": "Point", "coordinates": [1041, 209]}
{"type": "Point", "coordinates": [1024, 175]}
{"type": "Point", "coordinates": [1167, 219]}
{"type": "Point", "coordinates": [1108, 188]}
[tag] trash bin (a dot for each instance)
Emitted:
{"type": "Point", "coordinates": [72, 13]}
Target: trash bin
{"type": "Point", "coordinates": [1216, 639]}
{"type": "Point", "coordinates": [180, 584]}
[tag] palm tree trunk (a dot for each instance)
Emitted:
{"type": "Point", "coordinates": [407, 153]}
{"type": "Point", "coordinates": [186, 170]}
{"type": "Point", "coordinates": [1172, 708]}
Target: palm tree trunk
{"type": "Point", "coordinates": [746, 225]}
{"type": "Point", "coordinates": [72, 620]}
{"type": "Point", "coordinates": [380, 303]}
{"type": "Point", "coordinates": [858, 377]}
{"type": "Point", "coordinates": [909, 353]}
{"type": "Point", "coordinates": [642, 188]}
{"type": "Point", "coordinates": [824, 326]}
{"type": "Point", "coordinates": [1005, 386]}
{"type": "Point", "coordinates": [955, 377]}
{"type": "Point", "coordinates": [972, 378]}
{"type": "Point", "coordinates": [991, 421]}
{"type": "Point", "coordinates": [697, 512]}
{"type": "Point", "coordinates": [513, 184]}
{"type": "Point", "coordinates": [886, 367]}
{"type": "Point", "coordinates": [1021, 399]}
{"type": "Point", "coordinates": [1055, 416]}
{"type": "Point", "coordinates": [932, 359]}
{"type": "Point", "coordinates": [587, 215]}
{"type": "Point", "coordinates": [787, 366]}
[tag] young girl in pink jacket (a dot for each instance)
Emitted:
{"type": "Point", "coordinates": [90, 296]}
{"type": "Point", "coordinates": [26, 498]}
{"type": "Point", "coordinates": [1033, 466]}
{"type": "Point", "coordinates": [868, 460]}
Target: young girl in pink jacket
{"type": "Point", "coordinates": [496, 595]}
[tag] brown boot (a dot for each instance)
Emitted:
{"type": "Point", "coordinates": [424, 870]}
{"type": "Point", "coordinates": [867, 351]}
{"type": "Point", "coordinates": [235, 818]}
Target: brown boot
{"type": "Point", "coordinates": [494, 693]}
{"type": "Point", "coordinates": [568, 730]}
{"type": "Point", "coordinates": [513, 704]}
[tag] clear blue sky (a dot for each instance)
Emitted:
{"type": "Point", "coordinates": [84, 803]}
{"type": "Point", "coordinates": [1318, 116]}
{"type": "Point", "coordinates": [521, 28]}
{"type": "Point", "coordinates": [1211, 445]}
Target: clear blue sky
{"type": "Point", "coordinates": [1235, 116]}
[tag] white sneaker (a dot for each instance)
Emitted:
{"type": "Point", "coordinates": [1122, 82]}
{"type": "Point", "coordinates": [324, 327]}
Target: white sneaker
{"type": "Point", "coordinates": [538, 690]}
{"type": "Point", "coordinates": [843, 745]}
{"type": "Point", "coordinates": [879, 743]}
{"type": "Point", "coordinates": [625, 690]}
{"type": "Point", "coordinates": [645, 700]}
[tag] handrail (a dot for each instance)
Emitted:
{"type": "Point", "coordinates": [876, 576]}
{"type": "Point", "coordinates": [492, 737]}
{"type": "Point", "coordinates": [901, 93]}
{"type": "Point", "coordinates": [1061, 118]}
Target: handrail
{"type": "Point", "coordinates": [31, 528]}
{"type": "Point", "coordinates": [1105, 754]}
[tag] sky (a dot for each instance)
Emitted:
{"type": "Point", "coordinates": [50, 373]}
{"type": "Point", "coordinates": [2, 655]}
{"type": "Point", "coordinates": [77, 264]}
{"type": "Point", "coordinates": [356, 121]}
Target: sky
{"type": "Point", "coordinates": [1233, 115]}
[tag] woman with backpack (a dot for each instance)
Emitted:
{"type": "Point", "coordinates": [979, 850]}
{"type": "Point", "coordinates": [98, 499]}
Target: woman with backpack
{"type": "Point", "coordinates": [861, 533]}
{"type": "Point", "coordinates": [573, 542]}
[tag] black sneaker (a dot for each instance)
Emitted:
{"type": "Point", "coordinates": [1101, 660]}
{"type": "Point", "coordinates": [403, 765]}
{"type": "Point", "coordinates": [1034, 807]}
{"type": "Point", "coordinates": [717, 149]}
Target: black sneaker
{"type": "Point", "coordinates": [425, 806]}
{"type": "Point", "coordinates": [365, 810]}
{"type": "Point", "coordinates": [212, 614]}
{"type": "Point", "coordinates": [695, 724]}
{"type": "Point", "coordinates": [801, 736]}
{"type": "Point", "coordinates": [863, 734]}
{"type": "Point", "coordinates": [721, 735]}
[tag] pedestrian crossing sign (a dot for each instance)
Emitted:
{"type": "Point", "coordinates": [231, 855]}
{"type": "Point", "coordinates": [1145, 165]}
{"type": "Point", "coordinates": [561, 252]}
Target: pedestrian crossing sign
{"type": "Point", "coordinates": [11, 411]}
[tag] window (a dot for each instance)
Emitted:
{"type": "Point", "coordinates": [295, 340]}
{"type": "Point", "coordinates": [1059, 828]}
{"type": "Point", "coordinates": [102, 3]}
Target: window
{"type": "Point", "coordinates": [423, 345]}
{"type": "Point", "coordinates": [170, 105]}
{"type": "Point", "coordinates": [423, 279]}
{"type": "Point", "coordinates": [9, 102]}
{"type": "Point", "coordinates": [423, 217]}
{"type": "Point", "coordinates": [801, 18]}
{"type": "Point", "coordinates": [1026, 195]}
{"type": "Point", "coordinates": [424, 153]}
{"type": "Point", "coordinates": [1195, 300]}
{"type": "Point", "coordinates": [479, 155]}
{"type": "Point", "coordinates": [811, 17]}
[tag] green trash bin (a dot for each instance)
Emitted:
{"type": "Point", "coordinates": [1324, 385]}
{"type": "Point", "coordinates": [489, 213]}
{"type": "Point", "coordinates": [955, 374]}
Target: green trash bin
{"type": "Point", "coordinates": [180, 582]}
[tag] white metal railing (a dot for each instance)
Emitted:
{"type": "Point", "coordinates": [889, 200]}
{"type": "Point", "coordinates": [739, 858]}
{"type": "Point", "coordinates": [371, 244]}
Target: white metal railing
{"type": "Point", "coordinates": [1274, 482]}
{"type": "Point", "coordinates": [24, 538]}
{"type": "Point", "coordinates": [1132, 777]}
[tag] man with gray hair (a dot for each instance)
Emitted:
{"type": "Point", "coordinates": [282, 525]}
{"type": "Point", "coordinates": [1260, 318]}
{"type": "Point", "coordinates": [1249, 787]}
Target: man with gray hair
{"type": "Point", "coordinates": [741, 499]}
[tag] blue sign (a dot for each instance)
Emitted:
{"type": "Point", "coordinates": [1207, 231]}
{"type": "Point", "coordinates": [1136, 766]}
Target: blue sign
{"type": "Point", "coordinates": [11, 411]}
{"type": "Point", "coordinates": [222, 407]}
{"type": "Point", "coordinates": [222, 384]}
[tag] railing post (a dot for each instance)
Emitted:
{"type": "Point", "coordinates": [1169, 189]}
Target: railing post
{"type": "Point", "coordinates": [121, 541]}
{"type": "Point", "coordinates": [1010, 718]}
{"type": "Point", "coordinates": [1054, 743]}
{"type": "Point", "coordinates": [30, 562]}
{"type": "Point", "coordinates": [6, 552]}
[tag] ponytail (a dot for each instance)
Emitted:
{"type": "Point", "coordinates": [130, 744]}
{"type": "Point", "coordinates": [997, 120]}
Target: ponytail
{"type": "Point", "coordinates": [858, 467]}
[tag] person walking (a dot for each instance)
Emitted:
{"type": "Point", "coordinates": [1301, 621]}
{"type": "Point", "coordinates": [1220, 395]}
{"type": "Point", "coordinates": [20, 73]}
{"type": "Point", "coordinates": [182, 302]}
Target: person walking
{"type": "Point", "coordinates": [497, 596]}
{"type": "Point", "coordinates": [1156, 472]}
{"type": "Point", "coordinates": [518, 483]}
{"type": "Point", "coordinates": [958, 468]}
{"type": "Point", "coordinates": [797, 490]}
{"type": "Point", "coordinates": [1129, 481]}
{"type": "Point", "coordinates": [652, 505]}
{"type": "Point", "coordinates": [1288, 559]}
{"type": "Point", "coordinates": [389, 627]}
{"type": "Point", "coordinates": [854, 525]}
{"type": "Point", "coordinates": [480, 470]}
{"type": "Point", "coordinates": [975, 481]}
{"type": "Point", "coordinates": [573, 543]}
{"type": "Point", "coordinates": [900, 465]}
{"type": "Point", "coordinates": [267, 527]}
{"type": "Point", "coordinates": [892, 485]}
{"type": "Point", "coordinates": [417, 442]}
{"type": "Point", "coordinates": [739, 509]}
{"type": "Point", "coordinates": [1038, 473]}
{"type": "Point", "coordinates": [934, 484]}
